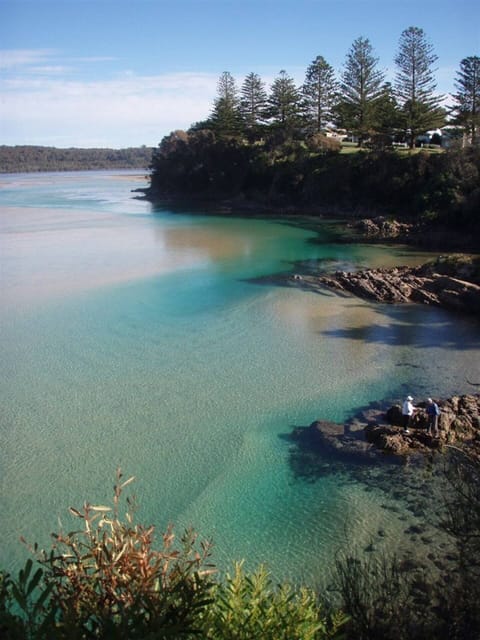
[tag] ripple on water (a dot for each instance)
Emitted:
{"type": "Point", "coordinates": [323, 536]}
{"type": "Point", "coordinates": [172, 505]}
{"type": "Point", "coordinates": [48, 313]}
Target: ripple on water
{"type": "Point", "coordinates": [171, 364]}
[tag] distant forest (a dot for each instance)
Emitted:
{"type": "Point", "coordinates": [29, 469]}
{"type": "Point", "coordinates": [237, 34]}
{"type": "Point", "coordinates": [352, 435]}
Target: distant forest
{"type": "Point", "coordinates": [20, 159]}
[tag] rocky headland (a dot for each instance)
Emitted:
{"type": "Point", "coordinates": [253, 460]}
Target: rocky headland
{"type": "Point", "coordinates": [377, 431]}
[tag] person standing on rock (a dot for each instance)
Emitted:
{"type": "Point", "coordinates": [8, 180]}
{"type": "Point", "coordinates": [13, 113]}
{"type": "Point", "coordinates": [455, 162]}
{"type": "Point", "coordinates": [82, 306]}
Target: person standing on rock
{"type": "Point", "coordinates": [407, 412]}
{"type": "Point", "coordinates": [432, 414]}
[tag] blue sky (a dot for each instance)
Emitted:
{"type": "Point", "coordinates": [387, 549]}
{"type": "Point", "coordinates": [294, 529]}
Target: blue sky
{"type": "Point", "coordinates": [121, 73]}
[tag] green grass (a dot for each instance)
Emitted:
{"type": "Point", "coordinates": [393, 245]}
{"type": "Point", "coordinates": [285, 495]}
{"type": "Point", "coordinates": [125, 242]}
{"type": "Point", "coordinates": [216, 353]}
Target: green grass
{"type": "Point", "coordinates": [352, 147]}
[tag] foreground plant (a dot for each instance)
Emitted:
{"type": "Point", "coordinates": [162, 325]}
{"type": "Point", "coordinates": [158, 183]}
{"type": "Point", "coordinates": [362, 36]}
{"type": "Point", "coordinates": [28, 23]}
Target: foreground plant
{"type": "Point", "coordinates": [248, 606]}
{"type": "Point", "coordinates": [106, 580]}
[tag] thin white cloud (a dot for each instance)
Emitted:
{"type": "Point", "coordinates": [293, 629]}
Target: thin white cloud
{"type": "Point", "coordinates": [14, 58]}
{"type": "Point", "coordinates": [125, 111]}
{"type": "Point", "coordinates": [50, 70]}
{"type": "Point", "coordinates": [94, 59]}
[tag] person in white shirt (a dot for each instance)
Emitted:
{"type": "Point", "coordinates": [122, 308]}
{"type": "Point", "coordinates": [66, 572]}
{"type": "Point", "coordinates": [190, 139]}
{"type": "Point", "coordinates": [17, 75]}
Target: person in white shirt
{"type": "Point", "coordinates": [407, 412]}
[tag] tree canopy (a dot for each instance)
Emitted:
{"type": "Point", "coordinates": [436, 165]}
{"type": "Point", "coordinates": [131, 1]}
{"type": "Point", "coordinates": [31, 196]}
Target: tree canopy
{"type": "Point", "coordinates": [361, 87]}
{"type": "Point", "coordinates": [467, 98]}
{"type": "Point", "coordinates": [415, 84]}
{"type": "Point", "coordinates": [319, 93]}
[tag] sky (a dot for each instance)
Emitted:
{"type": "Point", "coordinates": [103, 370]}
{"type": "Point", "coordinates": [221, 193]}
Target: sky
{"type": "Point", "coordinates": [125, 73]}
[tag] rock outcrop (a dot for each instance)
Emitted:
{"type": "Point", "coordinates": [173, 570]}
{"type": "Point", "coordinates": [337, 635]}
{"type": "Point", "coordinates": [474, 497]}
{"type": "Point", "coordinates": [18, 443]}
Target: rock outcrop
{"type": "Point", "coordinates": [382, 228]}
{"type": "Point", "coordinates": [376, 432]}
{"type": "Point", "coordinates": [427, 284]}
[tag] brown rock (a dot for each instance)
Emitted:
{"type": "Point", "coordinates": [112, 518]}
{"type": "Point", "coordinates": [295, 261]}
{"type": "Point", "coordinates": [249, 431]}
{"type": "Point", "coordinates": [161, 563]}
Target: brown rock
{"type": "Point", "coordinates": [373, 432]}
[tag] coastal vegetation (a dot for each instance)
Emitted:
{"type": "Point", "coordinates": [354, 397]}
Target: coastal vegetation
{"type": "Point", "coordinates": [29, 158]}
{"type": "Point", "coordinates": [292, 177]}
{"type": "Point", "coordinates": [284, 150]}
{"type": "Point", "coordinates": [109, 578]}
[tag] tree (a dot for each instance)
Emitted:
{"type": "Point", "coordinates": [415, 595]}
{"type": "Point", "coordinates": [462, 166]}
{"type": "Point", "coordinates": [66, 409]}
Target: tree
{"type": "Point", "coordinates": [361, 87]}
{"type": "Point", "coordinates": [226, 119]}
{"type": "Point", "coordinates": [319, 91]}
{"type": "Point", "coordinates": [467, 109]}
{"type": "Point", "coordinates": [253, 101]}
{"type": "Point", "coordinates": [415, 84]}
{"type": "Point", "coordinates": [284, 103]}
{"type": "Point", "coordinates": [387, 115]}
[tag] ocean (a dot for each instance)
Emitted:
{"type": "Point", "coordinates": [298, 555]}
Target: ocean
{"type": "Point", "coordinates": [139, 338]}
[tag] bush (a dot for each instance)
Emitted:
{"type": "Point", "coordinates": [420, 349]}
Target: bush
{"type": "Point", "coordinates": [106, 580]}
{"type": "Point", "coordinates": [320, 143]}
{"type": "Point", "coordinates": [247, 607]}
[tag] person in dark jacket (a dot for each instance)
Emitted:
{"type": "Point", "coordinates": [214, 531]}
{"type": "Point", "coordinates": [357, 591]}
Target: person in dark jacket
{"type": "Point", "coordinates": [432, 414]}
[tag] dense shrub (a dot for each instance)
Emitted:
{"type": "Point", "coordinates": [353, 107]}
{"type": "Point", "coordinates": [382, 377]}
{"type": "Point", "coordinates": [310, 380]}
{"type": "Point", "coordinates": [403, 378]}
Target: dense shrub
{"type": "Point", "coordinates": [443, 188]}
{"type": "Point", "coordinates": [107, 580]}
{"type": "Point", "coordinates": [248, 606]}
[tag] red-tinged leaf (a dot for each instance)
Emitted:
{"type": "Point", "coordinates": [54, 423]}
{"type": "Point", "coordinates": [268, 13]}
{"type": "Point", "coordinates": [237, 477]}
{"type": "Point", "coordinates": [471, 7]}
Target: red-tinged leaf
{"type": "Point", "coordinates": [75, 512]}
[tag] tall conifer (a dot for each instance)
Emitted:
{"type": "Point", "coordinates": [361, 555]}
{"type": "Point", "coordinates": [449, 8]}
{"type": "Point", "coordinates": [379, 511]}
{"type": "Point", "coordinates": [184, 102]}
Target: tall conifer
{"type": "Point", "coordinates": [361, 87]}
{"type": "Point", "coordinates": [284, 103]}
{"type": "Point", "coordinates": [320, 92]}
{"type": "Point", "coordinates": [253, 101]}
{"type": "Point", "coordinates": [226, 119]}
{"type": "Point", "coordinates": [415, 84]}
{"type": "Point", "coordinates": [467, 98]}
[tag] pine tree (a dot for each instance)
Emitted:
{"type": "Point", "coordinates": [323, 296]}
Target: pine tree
{"type": "Point", "coordinates": [361, 86]}
{"type": "Point", "coordinates": [388, 116]}
{"type": "Point", "coordinates": [253, 101]}
{"type": "Point", "coordinates": [415, 84]}
{"type": "Point", "coordinates": [284, 103]}
{"type": "Point", "coordinates": [226, 119]}
{"type": "Point", "coordinates": [467, 109]}
{"type": "Point", "coordinates": [320, 92]}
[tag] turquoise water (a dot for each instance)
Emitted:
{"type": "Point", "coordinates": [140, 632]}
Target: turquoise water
{"type": "Point", "coordinates": [137, 338]}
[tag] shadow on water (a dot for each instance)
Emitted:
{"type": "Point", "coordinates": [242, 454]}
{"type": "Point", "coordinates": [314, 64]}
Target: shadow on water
{"type": "Point", "coordinates": [410, 486]}
{"type": "Point", "coordinates": [408, 489]}
{"type": "Point", "coordinates": [413, 325]}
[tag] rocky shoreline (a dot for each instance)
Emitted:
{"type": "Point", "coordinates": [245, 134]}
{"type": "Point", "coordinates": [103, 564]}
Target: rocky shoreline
{"type": "Point", "coordinates": [377, 432]}
{"type": "Point", "coordinates": [450, 282]}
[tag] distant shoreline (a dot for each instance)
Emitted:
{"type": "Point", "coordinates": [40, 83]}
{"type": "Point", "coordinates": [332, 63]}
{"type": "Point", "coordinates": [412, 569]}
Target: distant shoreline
{"type": "Point", "coordinates": [36, 159]}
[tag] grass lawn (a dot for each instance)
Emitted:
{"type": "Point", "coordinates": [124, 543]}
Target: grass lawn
{"type": "Point", "coordinates": [352, 147]}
